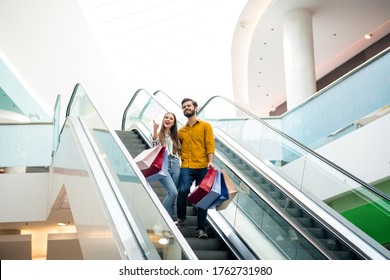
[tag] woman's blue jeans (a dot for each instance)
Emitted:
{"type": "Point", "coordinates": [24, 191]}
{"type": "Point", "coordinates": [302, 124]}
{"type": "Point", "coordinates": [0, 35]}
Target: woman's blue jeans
{"type": "Point", "coordinates": [170, 184]}
{"type": "Point", "coordinates": [187, 177]}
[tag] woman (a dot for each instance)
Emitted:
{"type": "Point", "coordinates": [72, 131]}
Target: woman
{"type": "Point", "coordinates": [168, 137]}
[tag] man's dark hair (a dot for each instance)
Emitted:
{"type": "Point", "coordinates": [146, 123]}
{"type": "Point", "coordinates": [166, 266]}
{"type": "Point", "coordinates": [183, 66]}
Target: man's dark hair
{"type": "Point", "coordinates": [189, 99]}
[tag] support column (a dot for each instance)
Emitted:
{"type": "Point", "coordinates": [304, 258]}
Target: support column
{"type": "Point", "coordinates": [298, 56]}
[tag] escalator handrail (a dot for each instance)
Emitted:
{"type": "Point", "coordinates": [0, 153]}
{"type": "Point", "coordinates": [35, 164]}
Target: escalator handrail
{"type": "Point", "coordinates": [347, 235]}
{"type": "Point", "coordinates": [129, 105]}
{"type": "Point", "coordinates": [122, 215]}
{"type": "Point", "coordinates": [306, 149]}
{"type": "Point", "coordinates": [146, 139]}
{"type": "Point", "coordinates": [71, 99]}
{"type": "Point", "coordinates": [171, 100]}
{"type": "Point", "coordinates": [155, 93]}
{"type": "Point", "coordinates": [180, 239]}
{"type": "Point", "coordinates": [314, 242]}
{"type": "Point", "coordinates": [300, 145]}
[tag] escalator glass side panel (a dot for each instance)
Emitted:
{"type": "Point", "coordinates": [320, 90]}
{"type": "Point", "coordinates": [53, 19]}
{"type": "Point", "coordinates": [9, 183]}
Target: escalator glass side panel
{"type": "Point", "coordinates": [237, 217]}
{"type": "Point", "coordinates": [305, 170]}
{"type": "Point", "coordinates": [260, 225]}
{"type": "Point", "coordinates": [357, 204]}
{"type": "Point", "coordinates": [145, 109]}
{"type": "Point", "coordinates": [285, 158]}
{"type": "Point", "coordinates": [71, 169]}
{"type": "Point", "coordinates": [143, 116]}
{"type": "Point", "coordinates": [147, 217]}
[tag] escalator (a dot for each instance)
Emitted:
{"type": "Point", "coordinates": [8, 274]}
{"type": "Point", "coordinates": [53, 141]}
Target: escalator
{"type": "Point", "coordinates": [360, 207]}
{"type": "Point", "coordinates": [213, 248]}
{"type": "Point", "coordinates": [270, 213]}
{"type": "Point", "coordinates": [116, 213]}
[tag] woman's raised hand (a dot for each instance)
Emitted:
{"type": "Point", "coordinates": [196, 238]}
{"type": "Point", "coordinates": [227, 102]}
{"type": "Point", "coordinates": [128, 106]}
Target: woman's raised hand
{"type": "Point", "coordinates": [155, 125]}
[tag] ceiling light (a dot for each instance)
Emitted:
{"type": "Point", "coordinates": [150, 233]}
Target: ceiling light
{"type": "Point", "coordinates": [61, 224]}
{"type": "Point", "coordinates": [368, 36]}
{"type": "Point", "coordinates": [163, 241]}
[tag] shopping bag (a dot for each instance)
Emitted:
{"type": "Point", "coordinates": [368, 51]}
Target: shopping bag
{"type": "Point", "coordinates": [204, 187]}
{"type": "Point", "coordinates": [161, 173]}
{"type": "Point", "coordinates": [145, 159]}
{"type": "Point", "coordinates": [232, 191]}
{"type": "Point", "coordinates": [156, 165]}
{"type": "Point", "coordinates": [213, 195]}
{"type": "Point", "coordinates": [224, 194]}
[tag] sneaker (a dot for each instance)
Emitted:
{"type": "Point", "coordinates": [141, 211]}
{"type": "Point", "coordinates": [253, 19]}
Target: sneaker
{"type": "Point", "coordinates": [179, 223]}
{"type": "Point", "coordinates": [201, 234]}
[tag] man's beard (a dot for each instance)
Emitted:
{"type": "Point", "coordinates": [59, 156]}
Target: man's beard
{"type": "Point", "coordinates": [189, 114]}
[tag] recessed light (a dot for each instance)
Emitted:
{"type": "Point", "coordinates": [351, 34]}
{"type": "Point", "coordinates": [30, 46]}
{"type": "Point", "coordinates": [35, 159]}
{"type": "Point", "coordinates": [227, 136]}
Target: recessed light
{"type": "Point", "coordinates": [368, 36]}
{"type": "Point", "coordinates": [61, 224]}
{"type": "Point", "coordinates": [163, 241]}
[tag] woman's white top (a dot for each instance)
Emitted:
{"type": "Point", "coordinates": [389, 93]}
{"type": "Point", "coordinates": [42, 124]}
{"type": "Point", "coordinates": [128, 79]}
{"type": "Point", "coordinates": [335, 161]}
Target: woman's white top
{"type": "Point", "coordinates": [168, 145]}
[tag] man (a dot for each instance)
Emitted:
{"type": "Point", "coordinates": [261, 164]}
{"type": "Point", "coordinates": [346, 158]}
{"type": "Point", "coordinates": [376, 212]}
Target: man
{"type": "Point", "coordinates": [197, 154]}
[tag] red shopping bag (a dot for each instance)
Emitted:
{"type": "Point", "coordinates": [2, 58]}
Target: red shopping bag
{"type": "Point", "coordinates": [157, 164]}
{"type": "Point", "coordinates": [161, 173]}
{"type": "Point", "coordinates": [146, 158]}
{"type": "Point", "coordinates": [204, 187]}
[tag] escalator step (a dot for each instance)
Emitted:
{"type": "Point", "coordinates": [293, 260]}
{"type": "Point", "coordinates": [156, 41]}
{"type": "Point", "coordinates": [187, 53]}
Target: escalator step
{"type": "Point", "coordinates": [275, 195]}
{"type": "Point", "coordinates": [318, 232]}
{"type": "Point", "coordinates": [212, 248]}
{"type": "Point", "coordinates": [295, 212]}
{"type": "Point", "coordinates": [212, 255]}
{"type": "Point", "coordinates": [190, 231]}
{"type": "Point", "coordinates": [330, 244]}
{"type": "Point", "coordinates": [305, 222]}
{"type": "Point", "coordinates": [204, 244]}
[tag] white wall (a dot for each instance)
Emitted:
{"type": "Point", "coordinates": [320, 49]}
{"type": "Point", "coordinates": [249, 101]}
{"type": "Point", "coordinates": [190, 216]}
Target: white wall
{"type": "Point", "coordinates": [51, 46]}
{"type": "Point", "coordinates": [365, 152]}
{"type": "Point", "coordinates": [26, 194]}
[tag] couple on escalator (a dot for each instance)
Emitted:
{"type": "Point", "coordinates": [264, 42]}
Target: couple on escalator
{"type": "Point", "coordinates": [194, 146]}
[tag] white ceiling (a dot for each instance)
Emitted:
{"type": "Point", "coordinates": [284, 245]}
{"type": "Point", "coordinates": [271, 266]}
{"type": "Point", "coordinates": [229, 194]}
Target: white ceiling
{"type": "Point", "coordinates": [184, 48]}
{"type": "Point", "coordinates": [338, 34]}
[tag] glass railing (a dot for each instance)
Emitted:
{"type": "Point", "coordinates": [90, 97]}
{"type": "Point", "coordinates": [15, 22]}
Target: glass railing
{"type": "Point", "coordinates": [17, 96]}
{"type": "Point", "coordinates": [336, 110]}
{"type": "Point", "coordinates": [335, 190]}
{"type": "Point", "coordinates": [77, 177]}
{"type": "Point", "coordinates": [146, 216]}
{"type": "Point", "coordinates": [25, 145]}
{"type": "Point", "coordinates": [56, 124]}
{"type": "Point", "coordinates": [253, 219]}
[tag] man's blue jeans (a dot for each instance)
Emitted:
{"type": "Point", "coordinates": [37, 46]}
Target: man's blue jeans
{"type": "Point", "coordinates": [170, 184]}
{"type": "Point", "coordinates": [187, 177]}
